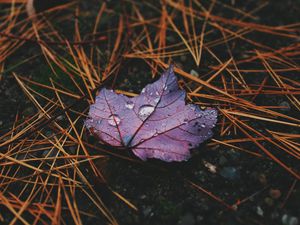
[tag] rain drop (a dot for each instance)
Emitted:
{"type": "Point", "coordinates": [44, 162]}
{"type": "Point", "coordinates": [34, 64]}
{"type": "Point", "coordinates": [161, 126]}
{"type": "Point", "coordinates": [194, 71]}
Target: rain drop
{"type": "Point", "coordinates": [155, 133]}
{"type": "Point", "coordinates": [165, 87]}
{"type": "Point", "coordinates": [143, 90]}
{"type": "Point", "coordinates": [199, 115]}
{"type": "Point", "coordinates": [129, 105]}
{"type": "Point", "coordinates": [193, 107]}
{"type": "Point", "coordinates": [114, 120]}
{"type": "Point", "coordinates": [127, 139]}
{"type": "Point", "coordinates": [213, 113]}
{"type": "Point", "coordinates": [203, 125]}
{"type": "Point", "coordinates": [88, 126]}
{"type": "Point", "coordinates": [145, 111]}
{"type": "Point", "coordinates": [156, 93]}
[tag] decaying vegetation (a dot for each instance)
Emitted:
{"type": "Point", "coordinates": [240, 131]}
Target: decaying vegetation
{"type": "Point", "coordinates": [52, 172]}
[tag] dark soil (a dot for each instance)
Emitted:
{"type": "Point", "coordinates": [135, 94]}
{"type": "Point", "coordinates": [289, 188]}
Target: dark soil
{"type": "Point", "coordinates": [162, 192]}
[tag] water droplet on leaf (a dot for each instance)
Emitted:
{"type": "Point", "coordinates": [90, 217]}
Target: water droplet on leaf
{"type": "Point", "coordinates": [192, 107]}
{"type": "Point", "coordinates": [114, 120]}
{"type": "Point", "coordinates": [145, 111]}
{"type": "Point", "coordinates": [129, 105]}
{"type": "Point", "coordinates": [127, 139]}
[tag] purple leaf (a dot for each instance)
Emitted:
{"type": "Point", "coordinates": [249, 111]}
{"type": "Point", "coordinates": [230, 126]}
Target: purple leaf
{"type": "Point", "coordinates": [156, 124]}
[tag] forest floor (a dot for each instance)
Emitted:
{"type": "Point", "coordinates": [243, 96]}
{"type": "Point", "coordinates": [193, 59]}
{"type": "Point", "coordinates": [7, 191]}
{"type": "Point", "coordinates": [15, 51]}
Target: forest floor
{"type": "Point", "coordinates": [247, 174]}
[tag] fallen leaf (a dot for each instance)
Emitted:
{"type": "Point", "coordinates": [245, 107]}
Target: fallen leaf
{"type": "Point", "coordinates": [156, 124]}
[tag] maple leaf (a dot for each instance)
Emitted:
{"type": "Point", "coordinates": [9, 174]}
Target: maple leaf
{"type": "Point", "coordinates": [155, 124]}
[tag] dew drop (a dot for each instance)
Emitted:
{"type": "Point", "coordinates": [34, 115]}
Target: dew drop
{"type": "Point", "coordinates": [145, 111]}
{"type": "Point", "coordinates": [203, 125]}
{"type": "Point", "coordinates": [156, 100]}
{"type": "Point", "coordinates": [193, 107]}
{"type": "Point", "coordinates": [127, 139]}
{"type": "Point", "coordinates": [143, 90]}
{"type": "Point", "coordinates": [165, 87]}
{"type": "Point", "coordinates": [87, 125]}
{"type": "Point", "coordinates": [114, 120]}
{"type": "Point", "coordinates": [156, 93]}
{"type": "Point", "coordinates": [129, 105]}
{"type": "Point", "coordinates": [155, 133]}
{"type": "Point", "coordinates": [214, 113]}
{"type": "Point", "coordinates": [199, 115]}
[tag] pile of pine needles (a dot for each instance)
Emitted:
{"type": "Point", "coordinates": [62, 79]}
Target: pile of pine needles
{"type": "Point", "coordinates": [224, 57]}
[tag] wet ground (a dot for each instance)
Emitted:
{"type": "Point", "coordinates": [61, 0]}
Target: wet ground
{"type": "Point", "coordinates": [164, 192]}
